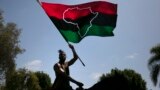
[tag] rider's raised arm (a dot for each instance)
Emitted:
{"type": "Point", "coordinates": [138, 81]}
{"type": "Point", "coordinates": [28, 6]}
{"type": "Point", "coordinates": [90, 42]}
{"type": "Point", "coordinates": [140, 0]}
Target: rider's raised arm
{"type": "Point", "coordinates": [75, 56]}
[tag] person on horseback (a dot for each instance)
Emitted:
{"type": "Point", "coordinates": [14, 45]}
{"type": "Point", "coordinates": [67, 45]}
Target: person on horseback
{"type": "Point", "coordinates": [63, 78]}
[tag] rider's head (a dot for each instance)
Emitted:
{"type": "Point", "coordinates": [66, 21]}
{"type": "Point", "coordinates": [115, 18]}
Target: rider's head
{"type": "Point", "coordinates": [62, 56]}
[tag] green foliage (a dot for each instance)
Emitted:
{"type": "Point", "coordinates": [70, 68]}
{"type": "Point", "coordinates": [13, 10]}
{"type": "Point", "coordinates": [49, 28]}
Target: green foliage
{"type": "Point", "coordinates": [44, 80]}
{"type": "Point", "coordinates": [130, 78]}
{"type": "Point", "coordinates": [32, 83]}
{"type": "Point", "coordinates": [1, 19]}
{"type": "Point", "coordinates": [23, 80]}
{"type": "Point", "coordinates": [9, 48]}
{"type": "Point", "coordinates": [154, 63]}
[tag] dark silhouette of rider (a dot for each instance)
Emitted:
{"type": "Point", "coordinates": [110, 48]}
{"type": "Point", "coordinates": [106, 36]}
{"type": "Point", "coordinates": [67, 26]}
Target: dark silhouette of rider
{"type": "Point", "coordinates": [61, 68]}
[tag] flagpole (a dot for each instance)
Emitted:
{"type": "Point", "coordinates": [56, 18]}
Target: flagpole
{"type": "Point", "coordinates": [81, 61]}
{"type": "Point", "coordinates": [68, 44]}
{"type": "Point", "coordinates": [63, 36]}
{"type": "Point", "coordinates": [39, 2]}
{"type": "Point", "coordinates": [77, 55]}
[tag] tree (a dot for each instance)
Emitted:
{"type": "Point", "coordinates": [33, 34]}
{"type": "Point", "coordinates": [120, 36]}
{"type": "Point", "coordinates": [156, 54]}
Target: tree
{"type": "Point", "coordinates": [9, 48]}
{"type": "Point", "coordinates": [44, 80]}
{"type": "Point", "coordinates": [120, 80]}
{"type": "Point", "coordinates": [23, 79]}
{"type": "Point", "coordinates": [154, 63]}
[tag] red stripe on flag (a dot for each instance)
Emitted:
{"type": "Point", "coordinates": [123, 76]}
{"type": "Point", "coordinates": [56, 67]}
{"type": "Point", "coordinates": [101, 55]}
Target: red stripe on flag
{"type": "Point", "coordinates": [73, 12]}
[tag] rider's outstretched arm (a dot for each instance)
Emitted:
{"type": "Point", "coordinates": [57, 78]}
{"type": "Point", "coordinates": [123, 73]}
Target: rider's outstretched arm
{"type": "Point", "coordinates": [76, 82]}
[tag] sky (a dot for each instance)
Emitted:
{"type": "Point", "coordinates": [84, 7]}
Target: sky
{"type": "Point", "coordinates": [137, 31]}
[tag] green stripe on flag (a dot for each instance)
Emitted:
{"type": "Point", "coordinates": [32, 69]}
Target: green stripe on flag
{"type": "Point", "coordinates": [87, 30]}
